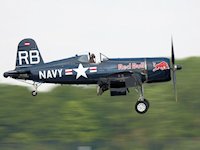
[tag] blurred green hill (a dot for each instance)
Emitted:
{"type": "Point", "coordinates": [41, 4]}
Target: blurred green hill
{"type": "Point", "coordinates": [69, 116]}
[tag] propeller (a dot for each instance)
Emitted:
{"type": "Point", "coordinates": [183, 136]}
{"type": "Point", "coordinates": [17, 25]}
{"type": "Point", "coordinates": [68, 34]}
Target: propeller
{"type": "Point", "coordinates": [174, 69]}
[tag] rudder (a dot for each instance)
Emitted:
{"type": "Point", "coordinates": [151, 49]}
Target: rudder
{"type": "Point", "coordinates": [28, 54]}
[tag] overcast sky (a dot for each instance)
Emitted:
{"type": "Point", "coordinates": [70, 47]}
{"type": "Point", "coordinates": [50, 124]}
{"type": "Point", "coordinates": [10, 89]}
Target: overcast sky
{"type": "Point", "coordinates": [117, 28]}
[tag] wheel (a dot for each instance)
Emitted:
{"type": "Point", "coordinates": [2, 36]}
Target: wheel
{"type": "Point", "coordinates": [147, 102]}
{"type": "Point", "coordinates": [141, 107]}
{"type": "Point", "coordinates": [34, 93]}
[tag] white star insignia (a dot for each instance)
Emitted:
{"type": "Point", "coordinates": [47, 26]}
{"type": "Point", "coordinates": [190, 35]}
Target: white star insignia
{"type": "Point", "coordinates": [81, 71]}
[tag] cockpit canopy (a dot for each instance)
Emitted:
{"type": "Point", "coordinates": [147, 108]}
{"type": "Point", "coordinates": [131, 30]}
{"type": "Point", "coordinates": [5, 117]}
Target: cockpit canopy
{"type": "Point", "coordinates": [83, 58]}
{"type": "Point", "coordinates": [91, 58]}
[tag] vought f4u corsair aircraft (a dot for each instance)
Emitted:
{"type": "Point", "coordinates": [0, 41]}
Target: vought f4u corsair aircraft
{"type": "Point", "coordinates": [114, 74]}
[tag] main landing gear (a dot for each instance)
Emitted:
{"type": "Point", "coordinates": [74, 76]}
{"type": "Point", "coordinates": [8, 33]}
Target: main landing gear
{"type": "Point", "coordinates": [142, 105]}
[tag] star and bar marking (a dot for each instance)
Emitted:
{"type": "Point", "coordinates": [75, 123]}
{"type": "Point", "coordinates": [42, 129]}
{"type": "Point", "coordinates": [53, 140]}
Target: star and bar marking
{"type": "Point", "coordinates": [81, 71]}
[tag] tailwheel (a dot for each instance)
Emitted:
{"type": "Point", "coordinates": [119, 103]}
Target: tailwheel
{"type": "Point", "coordinates": [35, 85]}
{"type": "Point", "coordinates": [142, 106]}
{"type": "Point", "coordinates": [34, 93]}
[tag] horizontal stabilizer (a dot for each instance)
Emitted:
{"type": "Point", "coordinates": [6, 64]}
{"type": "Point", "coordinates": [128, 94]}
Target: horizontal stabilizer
{"type": "Point", "coordinates": [17, 74]}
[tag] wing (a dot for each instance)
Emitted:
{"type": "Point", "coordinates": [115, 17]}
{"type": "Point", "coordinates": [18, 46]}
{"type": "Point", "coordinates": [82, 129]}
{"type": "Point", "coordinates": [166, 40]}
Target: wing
{"type": "Point", "coordinates": [118, 83]}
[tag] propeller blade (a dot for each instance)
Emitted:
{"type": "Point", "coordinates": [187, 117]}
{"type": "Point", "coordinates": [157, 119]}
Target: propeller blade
{"type": "Point", "coordinates": [174, 84]}
{"type": "Point", "coordinates": [173, 69]}
{"type": "Point", "coordinates": [172, 52]}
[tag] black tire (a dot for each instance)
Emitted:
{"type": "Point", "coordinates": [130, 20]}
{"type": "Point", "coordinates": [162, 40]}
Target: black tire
{"type": "Point", "coordinates": [147, 102]}
{"type": "Point", "coordinates": [141, 107]}
{"type": "Point", "coordinates": [34, 93]}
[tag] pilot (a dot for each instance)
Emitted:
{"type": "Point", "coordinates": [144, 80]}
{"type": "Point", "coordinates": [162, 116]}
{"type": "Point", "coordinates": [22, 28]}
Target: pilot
{"type": "Point", "coordinates": [92, 58]}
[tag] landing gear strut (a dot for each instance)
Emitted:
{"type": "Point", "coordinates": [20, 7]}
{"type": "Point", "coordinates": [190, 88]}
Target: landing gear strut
{"type": "Point", "coordinates": [142, 105]}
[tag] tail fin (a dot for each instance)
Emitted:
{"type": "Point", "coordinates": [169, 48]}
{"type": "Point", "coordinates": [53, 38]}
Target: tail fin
{"type": "Point", "coordinates": [28, 54]}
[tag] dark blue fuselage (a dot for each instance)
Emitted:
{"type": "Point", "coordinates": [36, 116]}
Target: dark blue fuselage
{"type": "Point", "coordinates": [66, 71]}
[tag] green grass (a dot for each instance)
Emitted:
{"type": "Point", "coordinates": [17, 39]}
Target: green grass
{"type": "Point", "coordinates": [71, 116]}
